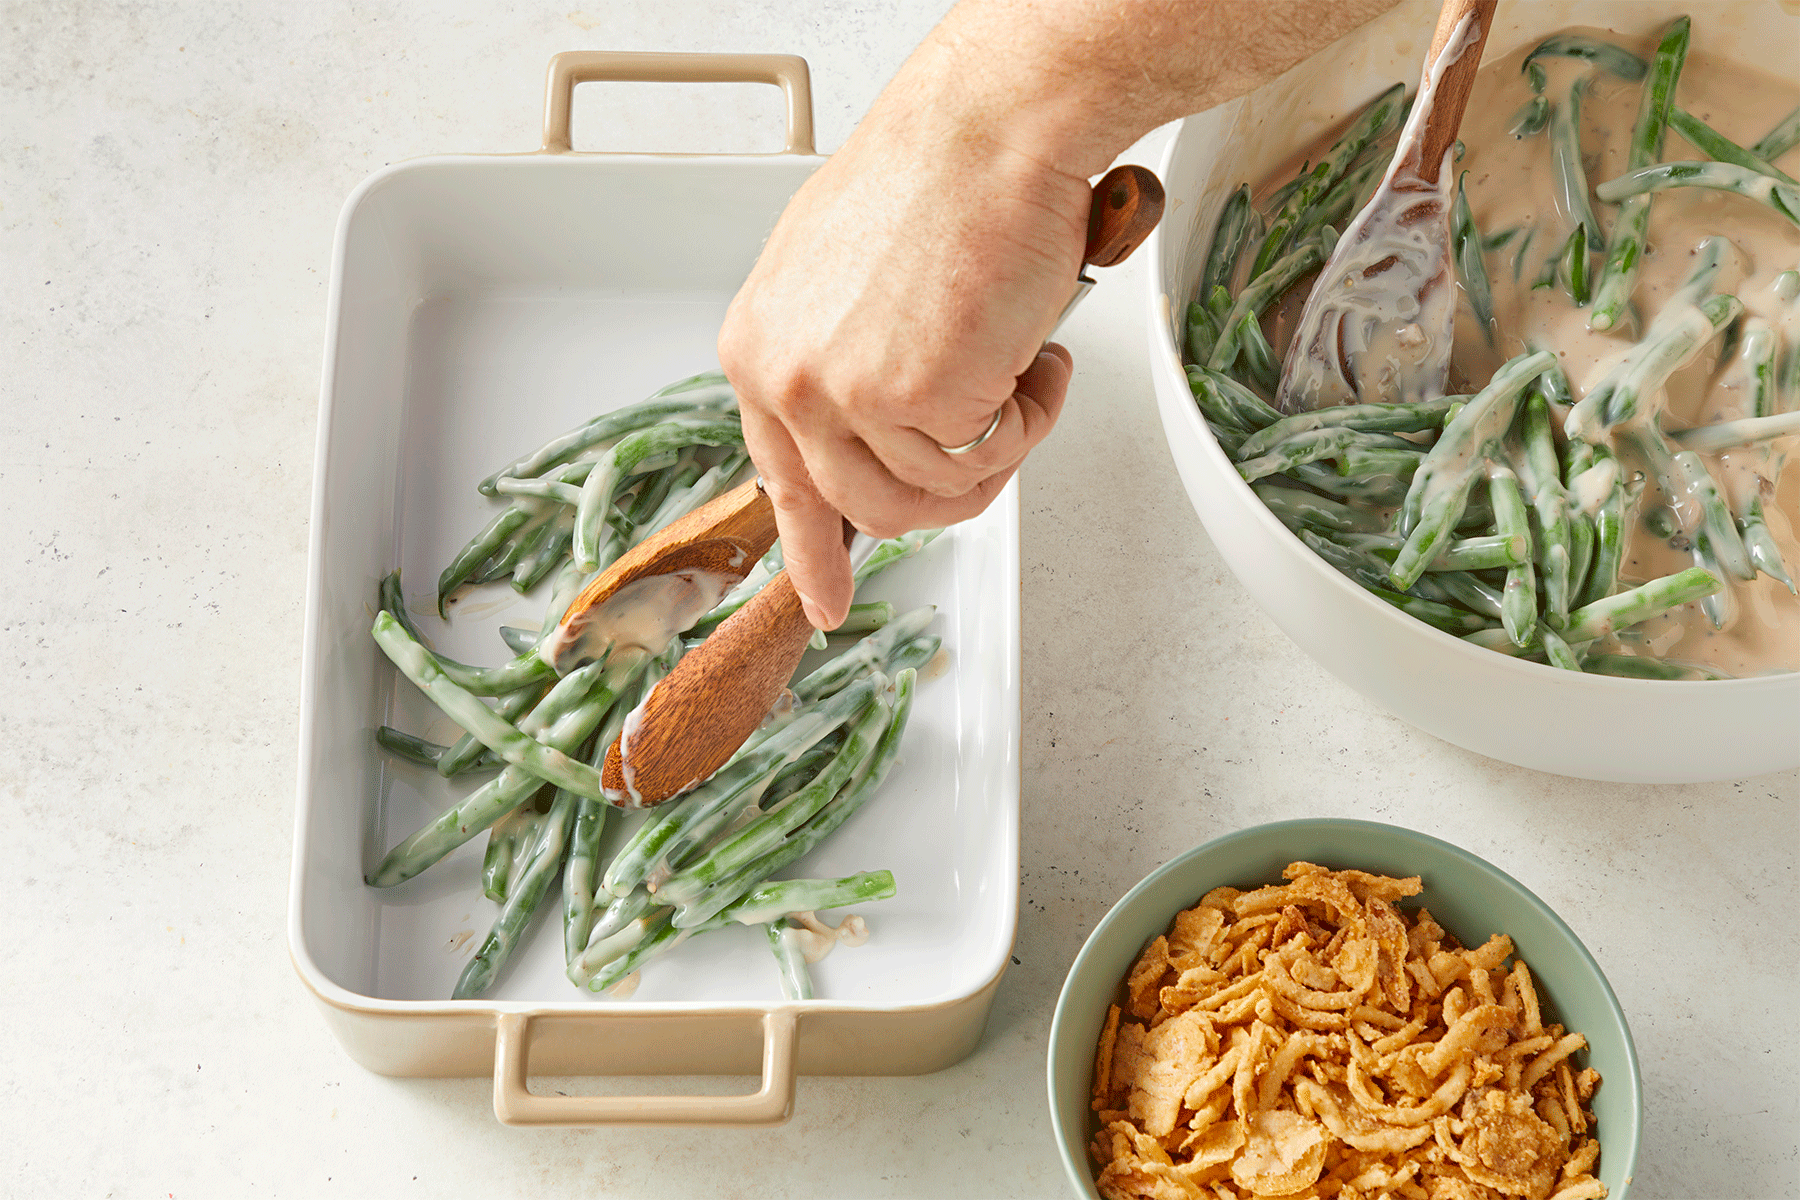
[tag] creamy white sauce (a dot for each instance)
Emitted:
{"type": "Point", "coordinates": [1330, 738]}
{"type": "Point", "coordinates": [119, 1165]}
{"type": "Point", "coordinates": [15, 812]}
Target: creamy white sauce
{"type": "Point", "coordinates": [816, 939]}
{"type": "Point", "coordinates": [646, 613]}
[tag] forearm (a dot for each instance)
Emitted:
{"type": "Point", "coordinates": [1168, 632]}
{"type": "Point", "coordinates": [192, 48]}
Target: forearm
{"type": "Point", "coordinates": [1072, 83]}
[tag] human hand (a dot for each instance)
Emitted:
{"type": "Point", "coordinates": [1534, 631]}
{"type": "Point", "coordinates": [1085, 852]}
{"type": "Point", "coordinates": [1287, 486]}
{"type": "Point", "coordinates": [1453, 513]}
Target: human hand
{"type": "Point", "coordinates": [899, 307]}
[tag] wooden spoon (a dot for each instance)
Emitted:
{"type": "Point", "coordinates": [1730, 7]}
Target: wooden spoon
{"type": "Point", "coordinates": [703, 710]}
{"type": "Point", "coordinates": [1379, 322]}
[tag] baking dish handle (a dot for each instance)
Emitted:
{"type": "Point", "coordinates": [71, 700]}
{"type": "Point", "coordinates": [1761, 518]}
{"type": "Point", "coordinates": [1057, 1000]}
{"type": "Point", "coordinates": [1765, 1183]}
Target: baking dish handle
{"type": "Point", "coordinates": [786, 71]}
{"type": "Point", "coordinates": [516, 1104]}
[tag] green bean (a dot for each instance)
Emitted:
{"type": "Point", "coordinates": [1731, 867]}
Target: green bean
{"type": "Point", "coordinates": [1752, 369]}
{"type": "Point", "coordinates": [873, 654]}
{"type": "Point", "coordinates": [1440, 488]}
{"type": "Point", "coordinates": [517, 640]}
{"type": "Point", "coordinates": [1498, 240]}
{"type": "Point", "coordinates": [1469, 592]}
{"type": "Point", "coordinates": [1581, 554]}
{"type": "Point", "coordinates": [1673, 340]}
{"type": "Point", "coordinates": [1369, 418]}
{"type": "Point", "coordinates": [1549, 500]}
{"type": "Point", "coordinates": [659, 935]}
{"type": "Point", "coordinates": [413, 749]}
{"type": "Point", "coordinates": [1490, 552]}
{"type": "Point", "coordinates": [653, 936]}
{"type": "Point", "coordinates": [1499, 641]}
{"type": "Point", "coordinates": [1202, 333]}
{"type": "Point", "coordinates": [713, 396]}
{"type": "Point", "coordinates": [1471, 268]}
{"type": "Point", "coordinates": [1312, 446]}
{"type": "Point", "coordinates": [1779, 140]}
{"type": "Point", "coordinates": [1632, 666]}
{"type": "Point", "coordinates": [885, 555]}
{"type": "Point", "coordinates": [546, 557]}
{"type": "Point", "coordinates": [1519, 254]}
{"type": "Point", "coordinates": [1683, 477]}
{"type": "Point", "coordinates": [1256, 354]}
{"type": "Point", "coordinates": [1716, 145]}
{"type": "Point", "coordinates": [1784, 198]}
{"type": "Point", "coordinates": [1347, 197]}
{"type": "Point", "coordinates": [1618, 277]}
{"type": "Point", "coordinates": [505, 836]}
{"type": "Point", "coordinates": [627, 456]}
{"type": "Point", "coordinates": [1605, 55]}
{"type": "Point", "coordinates": [1265, 288]}
{"type": "Point", "coordinates": [1661, 521]}
{"type": "Point", "coordinates": [625, 922]}
{"type": "Point", "coordinates": [479, 549]}
{"type": "Point", "coordinates": [1229, 235]}
{"type": "Point", "coordinates": [866, 617]}
{"type": "Point", "coordinates": [1518, 599]}
{"type": "Point", "coordinates": [1225, 401]}
{"type": "Point", "coordinates": [1557, 651]}
{"type": "Point", "coordinates": [1357, 562]}
{"type": "Point", "coordinates": [521, 902]}
{"type": "Point", "coordinates": [1572, 267]}
{"type": "Point", "coordinates": [581, 867]}
{"type": "Point", "coordinates": [1765, 555]}
{"type": "Point", "coordinates": [1303, 510]}
{"type": "Point", "coordinates": [774, 900]}
{"type": "Point", "coordinates": [1746, 431]}
{"type": "Point", "coordinates": [1439, 616]}
{"type": "Point", "coordinates": [1363, 461]}
{"type": "Point", "coordinates": [708, 486]}
{"type": "Point", "coordinates": [1531, 118]}
{"type": "Point", "coordinates": [1375, 120]}
{"type": "Point", "coordinates": [523, 671]}
{"type": "Point", "coordinates": [1379, 491]}
{"type": "Point", "coordinates": [529, 537]}
{"type": "Point", "coordinates": [784, 943]}
{"type": "Point", "coordinates": [1638, 604]}
{"type": "Point", "coordinates": [1609, 542]}
{"type": "Point", "coordinates": [1572, 180]}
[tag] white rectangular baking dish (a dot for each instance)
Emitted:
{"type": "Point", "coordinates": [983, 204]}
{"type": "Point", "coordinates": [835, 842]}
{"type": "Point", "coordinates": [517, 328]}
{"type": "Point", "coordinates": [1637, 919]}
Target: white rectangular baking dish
{"type": "Point", "coordinates": [478, 306]}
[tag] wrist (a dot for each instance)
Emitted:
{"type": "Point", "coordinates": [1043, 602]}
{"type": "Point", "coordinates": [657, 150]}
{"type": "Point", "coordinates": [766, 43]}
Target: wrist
{"type": "Point", "coordinates": [996, 75]}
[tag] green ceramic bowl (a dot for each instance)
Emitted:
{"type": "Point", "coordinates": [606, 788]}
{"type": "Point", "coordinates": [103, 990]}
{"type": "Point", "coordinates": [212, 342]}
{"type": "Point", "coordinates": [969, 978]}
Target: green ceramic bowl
{"type": "Point", "coordinates": [1471, 898]}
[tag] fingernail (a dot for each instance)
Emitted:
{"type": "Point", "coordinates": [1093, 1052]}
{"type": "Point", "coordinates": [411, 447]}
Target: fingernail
{"type": "Point", "coordinates": [813, 612]}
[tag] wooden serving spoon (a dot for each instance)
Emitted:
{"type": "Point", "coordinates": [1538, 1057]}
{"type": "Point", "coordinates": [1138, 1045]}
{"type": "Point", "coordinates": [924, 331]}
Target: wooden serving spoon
{"type": "Point", "coordinates": [702, 711]}
{"type": "Point", "coordinates": [1379, 321]}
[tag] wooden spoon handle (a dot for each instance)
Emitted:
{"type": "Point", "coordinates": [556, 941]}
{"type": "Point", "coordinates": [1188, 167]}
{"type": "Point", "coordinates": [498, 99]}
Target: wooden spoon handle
{"type": "Point", "coordinates": [1454, 85]}
{"type": "Point", "coordinates": [1128, 202]}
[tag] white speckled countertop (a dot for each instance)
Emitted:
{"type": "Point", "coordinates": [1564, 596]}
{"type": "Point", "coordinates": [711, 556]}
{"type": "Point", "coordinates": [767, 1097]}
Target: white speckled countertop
{"type": "Point", "coordinates": [170, 175]}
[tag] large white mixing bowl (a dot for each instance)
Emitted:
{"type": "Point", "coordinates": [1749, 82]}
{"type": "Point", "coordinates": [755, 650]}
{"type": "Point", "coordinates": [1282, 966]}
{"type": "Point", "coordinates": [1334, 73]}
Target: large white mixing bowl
{"type": "Point", "coordinates": [1593, 726]}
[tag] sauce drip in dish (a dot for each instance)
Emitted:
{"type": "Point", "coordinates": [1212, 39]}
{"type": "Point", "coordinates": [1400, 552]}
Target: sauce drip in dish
{"type": "Point", "coordinates": [1524, 209]}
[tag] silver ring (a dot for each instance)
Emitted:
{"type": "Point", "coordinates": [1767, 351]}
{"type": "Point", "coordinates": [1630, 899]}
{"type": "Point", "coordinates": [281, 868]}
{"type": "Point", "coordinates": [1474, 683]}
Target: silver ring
{"type": "Point", "coordinates": [984, 436]}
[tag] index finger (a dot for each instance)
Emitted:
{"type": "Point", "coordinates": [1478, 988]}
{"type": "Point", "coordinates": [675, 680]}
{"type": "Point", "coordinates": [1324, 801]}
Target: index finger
{"type": "Point", "coordinates": [810, 529]}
